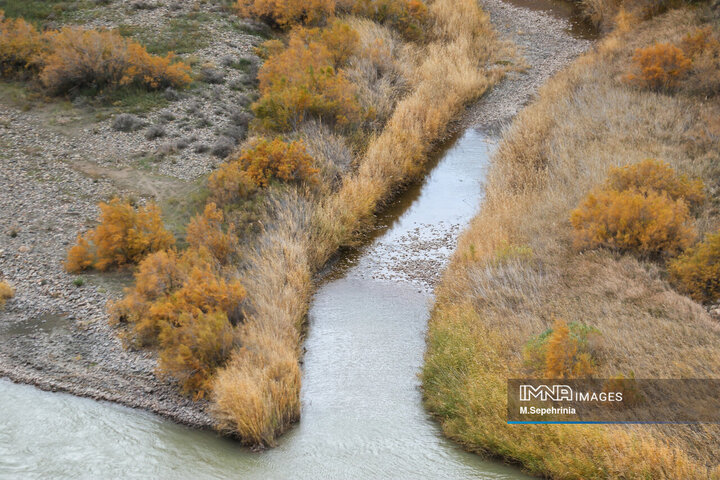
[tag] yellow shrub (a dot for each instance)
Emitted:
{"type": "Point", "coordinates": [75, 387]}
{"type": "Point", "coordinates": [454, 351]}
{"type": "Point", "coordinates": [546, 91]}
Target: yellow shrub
{"type": "Point", "coordinates": [230, 183]}
{"type": "Point", "coordinates": [125, 235]}
{"type": "Point", "coordinates": [285, 13]}
{"type": "Point", "coordinates": [302, 82]}
{"type": "Point", "coordinates": [660, 67]}
{"type": "Point", "coordinates": [649, 223]}
{"type": "Point", "coordinates": [288, 162]}
{"type": "Point", "coordinates": [564, 351]}
{"type": "Point", "coordinates": [6, 292]}
{"type": "Point", "coordinates": [697, 271]}
{"type": "Point", "coordinates": [206, 231]}
{"type": "Point", "coordinates": [21, 45]}
{"type": "Point", "coordinates": [659, 176]}
{"type": "Point", "coordinates": [195, 348]}
{"type": "Point", "coordinates": [409, 17]}
{"type": "Point", "coordinates": [104, 59]}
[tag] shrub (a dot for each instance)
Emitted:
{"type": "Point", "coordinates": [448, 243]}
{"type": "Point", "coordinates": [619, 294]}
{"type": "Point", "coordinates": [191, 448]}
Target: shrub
{"type": "Point", "coordinates": [169, 285]}
{"type": "Point", "coordinates": [104, 59]}
{"type": "Point", "coordinates": [285, 13]}
{"type": "Point", "coordinates": [288, 162]}
{"type": "Point", "coordinates": [564, 351]}
{"type": "Point", "coordinates": [659, 67]}
{"type": "Point", "coordinates": [21, 45]}
{"type": "Point", "coordinates": [649, 223]}
{"type": "Point", "coordinates": [125, 235]}
{"type": "Point", "coordinates": [409, 17]}
{"type": "Point", "coordinates": [193, 350]}
{"type": "Point", "coordinates": [126, 122]}
{"type": "Point", "coordinates": [6, 293]}
{"type": "Point", "coordinates": [659, 176]}
{"type": "Point", "coordinates": [206, 231]}
{"type": "Point", "coordinates": [155, 132]}
{"type": "Point", "coordinates": [230, 183]}
{"type": "Point", "coordinates": [697, 271]}
{"type": "Point", "coordinates": [302, 82]}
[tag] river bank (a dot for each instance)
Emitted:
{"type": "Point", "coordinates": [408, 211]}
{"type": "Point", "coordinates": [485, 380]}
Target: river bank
{"type": "Point", "coordinates": [517, 269]}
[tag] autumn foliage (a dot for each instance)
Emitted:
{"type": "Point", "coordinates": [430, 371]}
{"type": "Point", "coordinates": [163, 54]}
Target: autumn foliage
{"type": "Point", "coordinates": [304, 80]}
{"type": "Point", "coordinates": [286, 13]}
{"type": "Point", "coordinates": [641, 208]}
{"type": "Point", "coordinates": [230, 183]}
{"type": "Point", "coordinates": [6, 292]}
{"type": "Point", "coordinates": [409, 17]}
{"type": "Point", "coordinates": [21, 45]}
{"type": "Point", "coordinates": [697, 271]}
{"type": "Point", "coordinates": [75, 57]}
{"type": "Point", "coordinates": [187, 303]}
{"type": "Point", "coordinates": [125, 234]}
{"type": "Point", "coordinates": [659, 67]}
{"type": "Point", "coordinates": [278, 160]}
{"type": "Point", "coordinates": [564, 351]}
{"type": "Point", "coordinates": [651, 174]}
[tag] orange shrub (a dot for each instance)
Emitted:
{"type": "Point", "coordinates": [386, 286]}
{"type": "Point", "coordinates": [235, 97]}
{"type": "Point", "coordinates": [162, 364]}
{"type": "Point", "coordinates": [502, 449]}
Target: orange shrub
{"type": "Point", "coordinates": [285, 13]}
{"type": "Point", "coordinates": [194, 349]}
{"type": "Point", "coordinates": [279, 160]}
{"type": "Point", "coordinates": [230, 183]}
{"type": "Point", "coordinates": [102, 59]}
{"type": "Point", "coordinates": [409, 17]}
{"type": "Point", "coordinates": [656, 175]}
{"type": "Point", "coordinates": [125, 235]}
{"type": "Point", "coordinates": [301, 82]}
{"type": "Point", "coordinates": [649, 223]}
{"type": "Point", "coordinates": [660, 67]}
{"type": "Point", "coordinates": [6, 292]}
{"type": "Point", "coordinates": [21, 45]}
{"type": "Point", "coordinates": [697, 271]}
{"type": "Point", "coordinates": [564, 351]}
{"type": "Point", "coordinates": [206, 231]}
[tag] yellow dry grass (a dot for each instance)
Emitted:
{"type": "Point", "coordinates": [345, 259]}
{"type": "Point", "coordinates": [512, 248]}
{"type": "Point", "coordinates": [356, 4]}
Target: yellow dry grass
{"type": "Point", "coordinates": [256, 396]}
{"type": "Point", "coordinates": [489, 304]}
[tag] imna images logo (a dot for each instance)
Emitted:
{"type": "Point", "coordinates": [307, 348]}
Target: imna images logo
{"type": "Point", "coordinates": [555, 393]}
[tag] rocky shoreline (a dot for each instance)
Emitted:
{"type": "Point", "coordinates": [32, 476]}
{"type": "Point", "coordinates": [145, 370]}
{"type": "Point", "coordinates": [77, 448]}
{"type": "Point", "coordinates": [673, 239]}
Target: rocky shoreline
{"type": "Point", "coordinates": [54, 334]}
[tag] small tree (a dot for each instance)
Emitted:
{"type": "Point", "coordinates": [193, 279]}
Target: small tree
{"type": "Point", "coordinates": [124, 235]}
{"type": "Point", "coordinates": [563, 351]}
{"type": "Point", "coordinates": [649, 223]}
{"type": "Point", "coordinates": [286, 13]}
{"type": "Point", "coordinates": [276, 159]}
{"type": "Point", "coordinates": [659, 67]}
{"type": "Point", "coordinates": [656, 175]}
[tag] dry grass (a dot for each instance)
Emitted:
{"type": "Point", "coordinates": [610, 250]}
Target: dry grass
{"type": "Point", "coordinates": [6, 293]}
{"type": "Point", "coordinates": [585, 121]}
{"type": "Point", "coordinates": [256, 396]}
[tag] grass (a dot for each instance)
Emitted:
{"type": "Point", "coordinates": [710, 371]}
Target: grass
{"type": "Point", "coordinates": [490, 304]}
{"type": "Point", "coordinates": [182, 35]}
{"type": "Point", "coordinates": [256, 396]}
{"type": "Point", "coordinates": [42, 11]}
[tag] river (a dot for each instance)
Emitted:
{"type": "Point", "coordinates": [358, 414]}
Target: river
{"type": "Point", "coordinates": [362, 405]}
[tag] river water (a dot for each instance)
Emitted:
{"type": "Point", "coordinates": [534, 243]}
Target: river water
{"type": "Point", "coordinates": [362, 411]}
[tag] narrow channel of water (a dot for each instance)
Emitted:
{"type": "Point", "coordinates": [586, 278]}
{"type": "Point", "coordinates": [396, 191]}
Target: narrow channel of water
{"type": "Point", "coordinates": [362, 410]}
